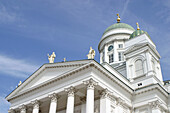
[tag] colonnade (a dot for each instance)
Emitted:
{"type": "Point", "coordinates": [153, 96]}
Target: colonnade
{"type": "Point", "coordinates": [70, 100]}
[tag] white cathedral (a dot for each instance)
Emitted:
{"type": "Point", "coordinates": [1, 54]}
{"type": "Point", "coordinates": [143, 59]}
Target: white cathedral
{"type": "Point", "coordinates": [128, 79]}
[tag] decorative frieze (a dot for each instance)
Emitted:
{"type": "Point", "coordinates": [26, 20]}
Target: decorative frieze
{"type": "Point", "coordinates": [90, 83]}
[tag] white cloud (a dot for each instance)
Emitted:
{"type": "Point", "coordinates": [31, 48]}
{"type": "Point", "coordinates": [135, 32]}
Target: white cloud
{"type": "Point", "coordinates": [4, 105]}
{"type": "Point", "coordinates": [16, 67]}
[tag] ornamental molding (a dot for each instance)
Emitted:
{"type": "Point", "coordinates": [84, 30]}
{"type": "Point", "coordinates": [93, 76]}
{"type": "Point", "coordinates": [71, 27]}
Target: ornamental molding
{"type": "Point", "coordinates": [90, 84]}
{"type": "Point", "coordinates": [151, 87]}
{"type": "Point", "coordinates": [94, 64]}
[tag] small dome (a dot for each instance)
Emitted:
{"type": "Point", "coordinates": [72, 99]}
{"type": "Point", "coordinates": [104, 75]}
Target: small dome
{"type": "Point", "coordinates": [137, 33]}
{"type": "Point", "coordinates": [118, 25]}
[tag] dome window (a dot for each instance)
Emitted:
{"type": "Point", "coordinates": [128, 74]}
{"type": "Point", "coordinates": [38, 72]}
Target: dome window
{"type": "Point", "coordinates": [110, 47]}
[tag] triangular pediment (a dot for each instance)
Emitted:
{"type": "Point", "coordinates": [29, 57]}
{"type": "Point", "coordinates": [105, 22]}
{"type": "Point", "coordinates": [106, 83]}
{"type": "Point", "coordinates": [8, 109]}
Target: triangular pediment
{"type": "Point", "coordinates": [46, 73]}
{"type": "Point", "coordinates": [141, 45]}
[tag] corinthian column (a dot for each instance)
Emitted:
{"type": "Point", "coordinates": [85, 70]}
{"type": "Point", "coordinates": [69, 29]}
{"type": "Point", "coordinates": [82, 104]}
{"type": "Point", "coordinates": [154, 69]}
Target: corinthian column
{"type": "Point", "coordinates": [70, 99]}
{"type": "Point", "coordinates": [35, 106]}
{"type": "Point", "coordinates": [90, 95]}
{"type": "Point", "coordinates": [53, 104]}
{"type": "Point", "coordinates": [105, 103]}
{"type": "Point", "coordinates": [22, 109]}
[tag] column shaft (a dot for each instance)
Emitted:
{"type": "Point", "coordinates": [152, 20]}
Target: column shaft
{"type": "Point", "coordinates": [70, 100]}
{"type": "Point", "coordinates": [53, 106]}
{"type": "Point", "coordinates": [90, 101]}
{"type": "Point", "coordinates": [70, 104]}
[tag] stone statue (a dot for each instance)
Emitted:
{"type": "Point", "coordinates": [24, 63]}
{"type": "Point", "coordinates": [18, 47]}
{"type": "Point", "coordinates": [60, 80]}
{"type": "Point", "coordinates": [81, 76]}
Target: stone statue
{"type": "Point", "coordinates": [51, 58]}
{"type": "Point", "coordinates": [19, 83]}
{"type": "Point", "coordinates": [91, 54]}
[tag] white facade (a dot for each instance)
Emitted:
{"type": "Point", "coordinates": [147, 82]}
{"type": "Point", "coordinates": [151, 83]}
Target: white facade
{"type": "Point", "coordinates": [127, 80]}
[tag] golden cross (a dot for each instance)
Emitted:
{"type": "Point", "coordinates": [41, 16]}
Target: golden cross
{"type": "Point", "coordinates": [118, 18]}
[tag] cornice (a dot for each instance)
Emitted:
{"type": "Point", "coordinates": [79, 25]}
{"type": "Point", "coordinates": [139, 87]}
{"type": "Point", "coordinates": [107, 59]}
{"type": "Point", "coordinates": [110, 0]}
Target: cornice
{"type": "Point", "coordinates": [151, 87]}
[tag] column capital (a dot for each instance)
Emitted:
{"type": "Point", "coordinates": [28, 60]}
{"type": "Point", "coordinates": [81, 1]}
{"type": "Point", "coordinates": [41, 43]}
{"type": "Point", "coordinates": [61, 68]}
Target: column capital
{"type": "Point", "coordinates": [53, 97]}
{"type": "Point", "coordinates": [90, 83]}
{"type": "Point", "coordinates": [120, 101]}
{"type": "Point", "coordinates": [155, 104]}
{"type": "Point", "coordinates": [22, 108]}
{"type": "Point", "coordinates": [106, 93]}
{"type": "Point", "coordinates": [70, 91]}
{"type": "Point", "coordinates": [36, 104]}
{"type": "Point", "coordinates": [11, 111]}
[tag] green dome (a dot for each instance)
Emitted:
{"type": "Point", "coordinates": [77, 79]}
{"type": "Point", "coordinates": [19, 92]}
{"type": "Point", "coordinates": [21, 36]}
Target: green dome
{"type": "Point", "coordinates": [137, 33]}
{"type": "Point", "coordinates": [119, 25]}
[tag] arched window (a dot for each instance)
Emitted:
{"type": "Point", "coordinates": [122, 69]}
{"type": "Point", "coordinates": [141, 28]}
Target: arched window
{"type": "Point", "coordinates": [139, 67]}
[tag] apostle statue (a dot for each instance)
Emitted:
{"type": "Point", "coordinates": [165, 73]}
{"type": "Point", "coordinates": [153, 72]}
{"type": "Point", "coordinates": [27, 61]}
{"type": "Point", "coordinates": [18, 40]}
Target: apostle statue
{"type": "Point", "coordinates": [51, 57]}
{"type": "Point", "coordinates": [91, 53]}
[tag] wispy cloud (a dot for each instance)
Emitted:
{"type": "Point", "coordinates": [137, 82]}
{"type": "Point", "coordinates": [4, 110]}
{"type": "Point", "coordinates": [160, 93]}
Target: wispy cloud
{"type": "Point", "coordinates": [125, 8]}
{"type": "Point", "coordinates": [15, 67]}
{"type": "Point", "coordinates": [4, 105]}
{"type": "Point", "coordinates": [6, 15]}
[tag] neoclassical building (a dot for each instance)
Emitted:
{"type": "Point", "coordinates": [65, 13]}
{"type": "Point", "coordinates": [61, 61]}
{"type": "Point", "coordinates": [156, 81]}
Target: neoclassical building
{"type": "Point", "coordinates": [128, 79]}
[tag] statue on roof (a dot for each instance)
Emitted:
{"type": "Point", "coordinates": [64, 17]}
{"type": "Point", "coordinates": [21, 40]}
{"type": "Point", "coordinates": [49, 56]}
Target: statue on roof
{"type": "Point", "coordinates": [51, 57]}
{"type": "Point", "coordinates": [91, 54]}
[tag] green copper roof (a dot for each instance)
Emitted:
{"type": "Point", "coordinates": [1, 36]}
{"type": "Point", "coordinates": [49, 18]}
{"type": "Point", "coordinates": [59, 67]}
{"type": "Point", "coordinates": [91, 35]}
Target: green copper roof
{"type": "Point", "coordinates": [119, 25]}
{"type": "Point", "coordinates": [137, 33]}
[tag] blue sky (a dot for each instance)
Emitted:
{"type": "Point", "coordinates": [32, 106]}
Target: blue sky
{"type": "Point", "coordinates": [29, 29]}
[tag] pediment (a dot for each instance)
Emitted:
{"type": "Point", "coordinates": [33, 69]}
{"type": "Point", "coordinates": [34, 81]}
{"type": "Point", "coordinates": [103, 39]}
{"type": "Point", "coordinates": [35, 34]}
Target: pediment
{"type": "Point", "coordinates": [46, 73]}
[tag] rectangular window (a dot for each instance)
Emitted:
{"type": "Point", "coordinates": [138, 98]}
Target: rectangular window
{"type": "Point", "coordinates": [111, 58]}
{"type": "Point", "coordinates": [120, 56]}
{"type": "Point", "coordinates": [120, 45]}
{"type": "Point", "coordinates": [103, 58]}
